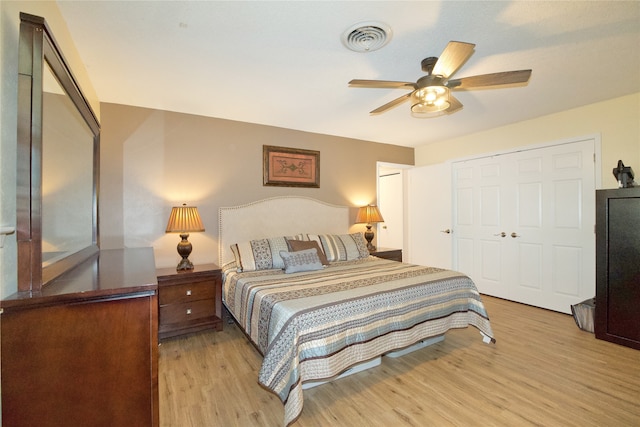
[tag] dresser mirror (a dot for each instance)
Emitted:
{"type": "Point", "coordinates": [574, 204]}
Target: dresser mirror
{"type": "Point", "coordinates": [58, 161]}
{"type": "Point", "coordinates": [67, 175]}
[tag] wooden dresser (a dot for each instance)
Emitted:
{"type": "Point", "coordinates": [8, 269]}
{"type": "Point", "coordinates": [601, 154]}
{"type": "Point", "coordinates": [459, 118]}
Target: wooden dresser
{"type": "Point", "coordinates": [84, 352]}
{"type": "Point", "coordinates": [190, 300]}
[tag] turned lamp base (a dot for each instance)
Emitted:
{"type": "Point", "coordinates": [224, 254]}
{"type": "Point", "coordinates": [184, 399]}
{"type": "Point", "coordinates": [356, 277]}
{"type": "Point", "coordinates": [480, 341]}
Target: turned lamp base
{"type": "Point", "coordinates": [368, 235]}
{"type": "Point", "coordinates": [184, 250]}
{"type": "Point", "coordinates": [369, 215]}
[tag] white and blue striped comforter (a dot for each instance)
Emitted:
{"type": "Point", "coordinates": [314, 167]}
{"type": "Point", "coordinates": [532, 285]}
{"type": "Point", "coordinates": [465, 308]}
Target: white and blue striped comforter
{"type": "Point", "coordinates": [314, 325]}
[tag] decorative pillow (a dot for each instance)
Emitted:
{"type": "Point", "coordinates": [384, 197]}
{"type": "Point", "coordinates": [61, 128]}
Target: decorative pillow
{"type": "Point", "coordinates": [305, 260]}
{"type": "Point", "coordinates": [300, 245]}
{"type": "Point", "coordinates": [361, 244]}
{"type": "Point", "coordinates": [261, 254]}
{"type": "Point", "coordinates": [342, 247]}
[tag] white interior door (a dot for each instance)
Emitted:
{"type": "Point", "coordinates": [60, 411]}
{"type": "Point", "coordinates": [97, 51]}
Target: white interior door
{"type": "Point", "coordinates": [390, 202]}
{"type": "Point", "coordinates": [429, 215]}
{"type": "Point", "coordinates": [525, 224]}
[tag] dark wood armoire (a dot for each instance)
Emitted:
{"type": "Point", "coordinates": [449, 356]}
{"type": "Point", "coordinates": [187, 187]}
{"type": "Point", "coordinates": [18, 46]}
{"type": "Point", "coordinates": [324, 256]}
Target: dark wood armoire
{"type": "Point", "coordinates": [617, 312]}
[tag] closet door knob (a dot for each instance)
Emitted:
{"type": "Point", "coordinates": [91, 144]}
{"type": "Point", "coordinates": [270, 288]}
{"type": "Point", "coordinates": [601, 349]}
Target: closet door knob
{"type": "Point", "coordinates": [514, 235]}
{"type": "Point", "coordinates": [503, 234]}
{"type": "Point", "coordinates": [447, 231]}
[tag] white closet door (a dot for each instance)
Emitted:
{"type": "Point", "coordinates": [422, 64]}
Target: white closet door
{"type": "Point", "coordinates": [479, 208]}
{"type": "Point", "coordinates": [525, 224]}
{"type": "Point", "coordinates": [556, 220]}
{"type": "Point", "coordinates": [429, 215]}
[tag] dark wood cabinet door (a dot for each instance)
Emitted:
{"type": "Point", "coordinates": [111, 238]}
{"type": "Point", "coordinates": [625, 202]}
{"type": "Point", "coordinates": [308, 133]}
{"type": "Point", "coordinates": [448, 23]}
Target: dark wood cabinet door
{"type": "Point", "coordinates": [617, 313]}
{"type": "Point", "coordinates": [94, 368]}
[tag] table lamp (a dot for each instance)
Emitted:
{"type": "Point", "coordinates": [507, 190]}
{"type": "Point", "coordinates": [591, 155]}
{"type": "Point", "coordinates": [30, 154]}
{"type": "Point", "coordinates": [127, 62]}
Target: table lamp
{"type": "Point", "coordinates": [369, 215]}
{"type": "Point", "coordinates": [184, 220]}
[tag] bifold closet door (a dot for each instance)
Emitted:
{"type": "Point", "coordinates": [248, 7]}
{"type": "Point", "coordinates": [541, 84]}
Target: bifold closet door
{"type": "Point", "coordinates": [524, 224]}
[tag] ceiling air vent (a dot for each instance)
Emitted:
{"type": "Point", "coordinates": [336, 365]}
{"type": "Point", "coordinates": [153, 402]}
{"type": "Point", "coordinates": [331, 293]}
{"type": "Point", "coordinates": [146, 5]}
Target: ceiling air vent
{"type": "Point", "coordinates": [366, 36]}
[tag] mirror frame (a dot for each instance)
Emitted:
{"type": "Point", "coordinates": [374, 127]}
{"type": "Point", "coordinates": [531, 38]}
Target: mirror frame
{"type": "Point", "coordinates": [36, 48]}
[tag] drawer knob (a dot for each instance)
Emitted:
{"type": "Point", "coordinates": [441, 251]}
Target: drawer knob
{"type": "Point", "coordinates": [188, 311]}
{"type": "Point", "coordinates": [189, 293]}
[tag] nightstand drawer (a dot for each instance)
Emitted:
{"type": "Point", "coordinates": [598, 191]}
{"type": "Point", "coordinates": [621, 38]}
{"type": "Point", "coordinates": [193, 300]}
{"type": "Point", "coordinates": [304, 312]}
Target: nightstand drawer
{"type": "Point", "coordinates": [187, 311]}
{"type": "Point", "coordinates": [187, 292]}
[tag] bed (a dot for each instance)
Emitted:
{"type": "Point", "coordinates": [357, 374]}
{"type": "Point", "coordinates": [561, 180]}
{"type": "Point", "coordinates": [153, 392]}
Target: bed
{"type": "Point", "coordinates": [316, 319]}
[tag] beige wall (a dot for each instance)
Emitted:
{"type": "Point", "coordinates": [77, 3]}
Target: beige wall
{"type": "Point", "coordinates": [152, 160]}
{"type": "Point", "coordinates": [9, 31]}
{"type": "Point", "coordinates": [617, 121]}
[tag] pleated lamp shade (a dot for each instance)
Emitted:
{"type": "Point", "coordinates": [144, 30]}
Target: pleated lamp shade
{"type": "Point", "coordinates": [184, 219]}
{"type": "Point", "coordinates": [369, 215]}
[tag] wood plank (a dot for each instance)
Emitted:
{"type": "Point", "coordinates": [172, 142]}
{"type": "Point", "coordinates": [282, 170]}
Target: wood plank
{"type": "Point", "coordinates": [543, 370]}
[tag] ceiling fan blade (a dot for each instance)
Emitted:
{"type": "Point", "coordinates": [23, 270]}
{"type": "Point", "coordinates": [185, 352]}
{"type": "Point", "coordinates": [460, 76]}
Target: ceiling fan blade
{"type": "Point", "coordinates": [391, 104]}
{"type": "Point", "coordinates": [494, 79]}
{"type": "Point", "coordinates": [452, 58]}
{"type": "Point", "coordinates": [454, 106]}
{"type": "Point", "coordinates": [384, 84]}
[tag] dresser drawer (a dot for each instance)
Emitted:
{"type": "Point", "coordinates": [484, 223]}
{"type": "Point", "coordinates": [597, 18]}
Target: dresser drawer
{"type": "Point", "coordinates": [187, 311]}
{"type": "Point", "coordinates": [187, 292]}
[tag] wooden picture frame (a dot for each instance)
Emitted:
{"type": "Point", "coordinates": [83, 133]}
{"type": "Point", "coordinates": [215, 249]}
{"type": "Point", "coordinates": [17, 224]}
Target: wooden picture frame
{"type": "Point", "coordinates": [290, 167]}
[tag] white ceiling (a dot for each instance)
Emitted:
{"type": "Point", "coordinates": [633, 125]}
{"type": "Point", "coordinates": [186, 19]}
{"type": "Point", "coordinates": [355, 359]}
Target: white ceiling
{"type": "Point", "coordinates": [283, 63]}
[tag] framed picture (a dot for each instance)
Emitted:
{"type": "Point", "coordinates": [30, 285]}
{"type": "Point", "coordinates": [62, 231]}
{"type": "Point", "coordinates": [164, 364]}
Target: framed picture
{"type": "Point", "coordinates": [290, 167]}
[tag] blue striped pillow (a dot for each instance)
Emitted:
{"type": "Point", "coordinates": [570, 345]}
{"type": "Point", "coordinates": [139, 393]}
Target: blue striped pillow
{"type": "Point", "coordinates": [341, 247]}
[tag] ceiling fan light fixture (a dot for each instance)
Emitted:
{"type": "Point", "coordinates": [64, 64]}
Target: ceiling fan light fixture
{"type": "Point", "coordinates": [423, 108]}
{"type": "Point", "coordinates": [431, 101]}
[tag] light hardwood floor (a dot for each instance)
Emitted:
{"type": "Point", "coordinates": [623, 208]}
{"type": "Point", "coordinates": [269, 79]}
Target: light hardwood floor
{"type": "Point", "coordinates": [543, 371]}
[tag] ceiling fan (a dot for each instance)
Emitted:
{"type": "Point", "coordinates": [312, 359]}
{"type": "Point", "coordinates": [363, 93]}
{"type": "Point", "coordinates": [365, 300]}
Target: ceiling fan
{"type": "Point", "coordinates": [431, 95]}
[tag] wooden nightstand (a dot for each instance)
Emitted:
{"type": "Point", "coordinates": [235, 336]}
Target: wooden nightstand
{"type": "Point", "coordinates": [387, 253]}
{"type": "Point", "coordinates": [190, 301]}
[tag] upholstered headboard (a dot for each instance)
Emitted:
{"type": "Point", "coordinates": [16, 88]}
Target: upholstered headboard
{"type": "Point", "coordinates": [278, 216]}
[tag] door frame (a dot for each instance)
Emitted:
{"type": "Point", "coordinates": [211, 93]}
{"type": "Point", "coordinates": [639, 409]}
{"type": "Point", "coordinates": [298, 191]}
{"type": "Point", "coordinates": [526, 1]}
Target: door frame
{"type": "Point", "coordinates": [401, 168]}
